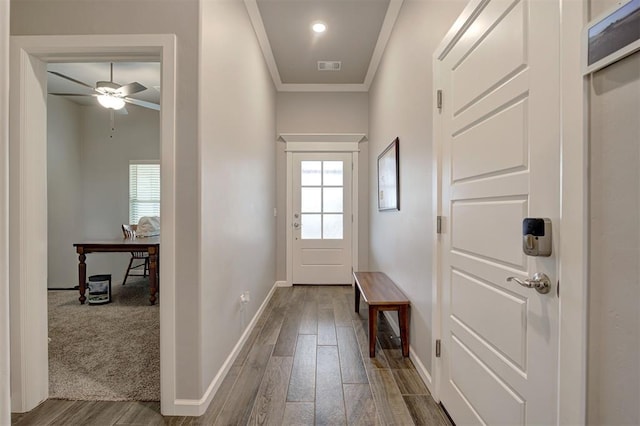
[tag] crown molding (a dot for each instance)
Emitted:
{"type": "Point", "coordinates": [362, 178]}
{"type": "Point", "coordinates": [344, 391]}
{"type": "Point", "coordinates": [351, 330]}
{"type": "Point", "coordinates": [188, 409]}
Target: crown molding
{"type": "Point", "coordinates": [385, 34]}
{"type": "Point", "coordinates": [263, 40]}
{"type": "Point", "coordinates": [323, 137]}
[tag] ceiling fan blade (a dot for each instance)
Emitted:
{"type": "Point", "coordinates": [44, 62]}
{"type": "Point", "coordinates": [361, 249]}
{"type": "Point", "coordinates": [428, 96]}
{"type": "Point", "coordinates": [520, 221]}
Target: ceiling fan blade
{"type": "Point", "coordinates": [144, 104]}
{"type": "Point", "coordinates": [131, 88]}
{"type": "Point", "coordinates": [71, 79]}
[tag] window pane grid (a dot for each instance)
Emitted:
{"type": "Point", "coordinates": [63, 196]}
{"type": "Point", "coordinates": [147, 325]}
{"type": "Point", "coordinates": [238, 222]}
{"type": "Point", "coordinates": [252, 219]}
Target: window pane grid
{"type": "Point", "coordinates": [322, 196]}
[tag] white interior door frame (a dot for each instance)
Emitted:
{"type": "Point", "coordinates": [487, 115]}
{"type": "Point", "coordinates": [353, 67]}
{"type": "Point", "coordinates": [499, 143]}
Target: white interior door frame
{"type": "Point", "coordinates": [321, 142]}
{"type": "Point", "coordinates": [28, 188]}
{"type": "Point", "coordinates": [5, 391]}
{"type": "Point", "coordinates": [572, 368]}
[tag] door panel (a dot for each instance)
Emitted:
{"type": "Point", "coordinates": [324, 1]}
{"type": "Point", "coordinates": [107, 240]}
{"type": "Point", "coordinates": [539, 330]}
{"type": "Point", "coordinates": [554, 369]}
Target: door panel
{"type": "Point", "coordinates": [506, 39]}
{"type": "Point", "coordinates": [322, 251]}
{"type": "Point", "coordinates": [503, 131]}
{"type": "Point", "coordinates": [504, 327]}
{"type": "Point", "coordinates": [486, 229]}
{"type": "Point", "coordinates": [490, 397]}
{"type": "Point", "coordinates": [500, 164]}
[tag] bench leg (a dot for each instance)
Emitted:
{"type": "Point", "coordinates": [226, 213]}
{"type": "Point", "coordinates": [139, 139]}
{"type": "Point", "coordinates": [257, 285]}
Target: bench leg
{"type": "Point", "coordinates": [373, 330]}
{"type": "Point", "coordinates": [356, 291]}
{"type": "Point", "coordinates": [403, 318]}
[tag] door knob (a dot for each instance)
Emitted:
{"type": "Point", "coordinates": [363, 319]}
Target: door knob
{"type": "Point", "coordinates": [539, 281]}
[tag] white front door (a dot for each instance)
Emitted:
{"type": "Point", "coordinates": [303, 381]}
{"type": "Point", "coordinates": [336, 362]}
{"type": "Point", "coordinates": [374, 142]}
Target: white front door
{"type": "Point", "coordinates": [322, 218]}
{"type": "Point", "coordinates": [500, 144]}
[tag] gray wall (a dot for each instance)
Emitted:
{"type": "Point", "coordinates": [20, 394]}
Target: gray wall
{"type": "Point", "coordinates": [64, 187]}
{"type": "Point", "coordinates": [238, 180]}
{"type": "Point", "coordinates": [613, 380]}
{"type": "Point", "coordinates": [307, 112]}
{"type": "Point", "coordinates": [88, 182]}
{"type": "Point", "coordinates": [400, 105]}
{"type": "Point", "coordinates": [104, 164]}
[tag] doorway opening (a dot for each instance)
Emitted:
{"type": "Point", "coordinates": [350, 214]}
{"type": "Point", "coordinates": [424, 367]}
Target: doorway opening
{"type": "Point", "coordinates": [90, 151]}
{"type": "Point", "coordinates": [322, 207]}
{"type": "Point", "coordinates": [28, 199]}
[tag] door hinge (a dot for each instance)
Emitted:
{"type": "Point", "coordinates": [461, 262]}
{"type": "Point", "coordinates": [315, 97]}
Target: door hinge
{"type": "Point", "coordinates": [439, 99]}
{"type": "Point", "coordinates": [438, 348]}
{"type": "Point", "coordinates": [438, 224]}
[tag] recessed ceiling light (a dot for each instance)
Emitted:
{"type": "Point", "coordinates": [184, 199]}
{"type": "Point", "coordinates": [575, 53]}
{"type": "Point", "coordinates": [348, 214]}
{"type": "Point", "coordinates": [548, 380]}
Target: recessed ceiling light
{"type": "Point", "coordinates": [319, 27]}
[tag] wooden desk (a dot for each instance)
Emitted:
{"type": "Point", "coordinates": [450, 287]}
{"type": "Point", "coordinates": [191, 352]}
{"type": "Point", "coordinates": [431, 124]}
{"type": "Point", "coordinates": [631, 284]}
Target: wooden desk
{"type": "Point", "coordinates": [382, 294]}
{"type": "Point", "coordinates": [150, 245]}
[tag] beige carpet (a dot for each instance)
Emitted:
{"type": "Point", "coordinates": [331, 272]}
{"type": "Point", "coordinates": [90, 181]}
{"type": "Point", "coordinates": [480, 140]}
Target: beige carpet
{"type": "Point", "coordinates": [105, 352]}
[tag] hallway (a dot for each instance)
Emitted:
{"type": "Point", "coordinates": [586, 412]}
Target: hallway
{"type": "Point", "coordinates": [302, 364]}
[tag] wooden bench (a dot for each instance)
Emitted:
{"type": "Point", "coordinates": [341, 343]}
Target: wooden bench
{"type": "Point", "coordinates": [382, 294]}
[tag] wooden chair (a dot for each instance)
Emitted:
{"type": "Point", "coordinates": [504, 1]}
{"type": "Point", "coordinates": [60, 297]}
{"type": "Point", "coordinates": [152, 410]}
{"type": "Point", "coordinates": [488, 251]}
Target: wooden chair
{"type": "Point", "coordinates": [129, 232]}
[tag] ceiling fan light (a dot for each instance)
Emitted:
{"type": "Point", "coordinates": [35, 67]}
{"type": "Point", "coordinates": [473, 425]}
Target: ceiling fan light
{"type": "Point", "coordinates": [319, 27]}
{"type": "Point", "coordinates": [111, 102]}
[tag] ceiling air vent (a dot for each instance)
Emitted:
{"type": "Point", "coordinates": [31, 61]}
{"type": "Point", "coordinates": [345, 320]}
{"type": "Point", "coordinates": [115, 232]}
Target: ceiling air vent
{"type": "Point", "coordinates": [329, 65]}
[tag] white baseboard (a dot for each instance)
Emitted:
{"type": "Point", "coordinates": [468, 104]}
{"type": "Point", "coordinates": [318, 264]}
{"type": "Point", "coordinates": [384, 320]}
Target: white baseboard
{"type": "Point", "coordinates": [282, 284]}
{"type": "Point", "coordinates": [197, 407]}
{"type": "Point", "coordinates": [420, 368]}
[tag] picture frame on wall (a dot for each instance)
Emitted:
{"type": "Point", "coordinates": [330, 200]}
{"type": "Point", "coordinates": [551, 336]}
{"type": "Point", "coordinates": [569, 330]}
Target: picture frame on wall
{"type": "Point", "coordinates": [389, 177]}
{"type": "Point", "coordinates": [611, 36]}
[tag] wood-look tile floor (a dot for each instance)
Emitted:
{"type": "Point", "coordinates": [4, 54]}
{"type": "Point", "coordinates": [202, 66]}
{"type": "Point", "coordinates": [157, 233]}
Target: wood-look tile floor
{"type": "Point", "coordinates": [306, 362]}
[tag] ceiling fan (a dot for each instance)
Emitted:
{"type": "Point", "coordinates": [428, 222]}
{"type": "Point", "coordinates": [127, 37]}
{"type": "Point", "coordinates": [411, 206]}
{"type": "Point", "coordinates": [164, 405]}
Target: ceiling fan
{"type": "Point", "coordinates": [111, 95]}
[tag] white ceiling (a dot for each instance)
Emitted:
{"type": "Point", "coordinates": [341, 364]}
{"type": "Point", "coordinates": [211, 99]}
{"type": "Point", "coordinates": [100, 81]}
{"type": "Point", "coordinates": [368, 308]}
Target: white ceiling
{"type": "Point", "coordinates": [353, 29]}
{"type": "Point", "coordinates": [357, 33]}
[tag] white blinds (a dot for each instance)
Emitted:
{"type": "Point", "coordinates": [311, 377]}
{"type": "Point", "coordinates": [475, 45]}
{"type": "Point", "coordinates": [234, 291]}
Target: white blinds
{"type": "Point", "coordinates": [144, 191]}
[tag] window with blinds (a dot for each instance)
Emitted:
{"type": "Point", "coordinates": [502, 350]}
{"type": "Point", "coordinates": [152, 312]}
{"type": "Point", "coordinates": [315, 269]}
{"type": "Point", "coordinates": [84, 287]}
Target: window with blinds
{"type": "Point", "coordinates": [144, 190]}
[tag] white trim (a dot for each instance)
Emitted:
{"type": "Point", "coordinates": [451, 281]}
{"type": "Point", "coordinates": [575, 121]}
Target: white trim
{"type": "Point", "coordinates": [322, 137]}
{"type": "Point", "coordinates": [436, 210]}
{"type": "Point", "coordinates": [383, 38]}
{"type": "Point", "coordinates": [197, 407]}
{"type": "Point", "coordinates": [574, 242]}
{"type": "Point", "coordinates": [29, 319]}
{"type": "Point", "coordinates": [322, 147]}
{"type": "Point", "coordinates": [5, 390]}
{"type": "Point", "coordinates": [289, 216]}
{"type": "Point", "coordinates": [423, 372]}
{"type": "Point", "coordinates": [263, 40]}
{"type": "Point", "coordinates": [289, 87]}
{"type": "Point", "coordinates": [28, 230]}
{"type": "Point", "coordinates": [354, 211]}
{"type": "Point", "coordinates": [322, 142]}
{"type": "Point", "coordinates": [282, 284]}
